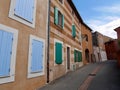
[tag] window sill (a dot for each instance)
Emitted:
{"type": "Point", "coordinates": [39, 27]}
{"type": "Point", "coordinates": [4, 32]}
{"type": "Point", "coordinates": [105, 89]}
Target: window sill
{"type": "Point", "coordinates": [59, 26]}
{"type": "Point", "coordinates": [32, 75]}
{"type": "Point", "coordinates": [4, 80]}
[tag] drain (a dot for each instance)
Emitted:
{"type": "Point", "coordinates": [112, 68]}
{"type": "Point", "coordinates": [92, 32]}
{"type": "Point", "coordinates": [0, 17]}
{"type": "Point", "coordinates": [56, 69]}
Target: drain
{"type": "Point", "coordinates": [91, 74]}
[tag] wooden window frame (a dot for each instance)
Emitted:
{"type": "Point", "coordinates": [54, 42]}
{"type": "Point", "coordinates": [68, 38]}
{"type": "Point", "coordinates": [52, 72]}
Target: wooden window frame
{"type": "Point", "coordinates": [31, 75]}
{"type": "Point", "coordinates": [19, 19]}
{"type": "Point", "coordinates": [11, 77]}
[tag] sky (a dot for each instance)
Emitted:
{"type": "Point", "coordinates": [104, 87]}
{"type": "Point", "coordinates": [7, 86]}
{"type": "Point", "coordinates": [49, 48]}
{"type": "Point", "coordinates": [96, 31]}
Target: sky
{"type": "Point", "coordinates": [100, 15]}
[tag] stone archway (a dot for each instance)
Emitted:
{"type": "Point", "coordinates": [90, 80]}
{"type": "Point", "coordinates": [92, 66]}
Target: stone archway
{"type": "Point", "coordinates": [87, 55]}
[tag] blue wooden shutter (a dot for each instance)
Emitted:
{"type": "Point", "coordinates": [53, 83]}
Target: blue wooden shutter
{"type": "Point", "coordinates": [25, 9]}
{"type": "Point", "coordinates": [73, 31]}
{"type": "Point", "coordinates": [56, 15]}
{"type": "Point", "coordinates": [58, 53]}
{"type": "Point", "coordinates": [6, 41]}
{"type": "Point", "coordinates": [37, 56]}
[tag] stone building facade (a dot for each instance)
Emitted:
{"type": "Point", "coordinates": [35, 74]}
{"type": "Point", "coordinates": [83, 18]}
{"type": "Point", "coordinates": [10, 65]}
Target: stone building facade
{"type": "Point", "coordinates": [118, 44]}
{"type": "Point", "coordinates": [65, 38]}
{"type": "Point", "coordinates": [87, 47]}
{"type": "Point", "coordinates": [99, 47]}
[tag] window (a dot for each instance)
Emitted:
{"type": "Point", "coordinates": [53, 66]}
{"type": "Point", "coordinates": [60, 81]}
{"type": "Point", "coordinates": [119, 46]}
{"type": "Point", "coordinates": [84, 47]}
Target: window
{"type": "Point", "coordinates": [86, 38]}
{"type": "Point", "coordinates": [23, 11]}
{"type": "Point", "coordinates": [58, 18]}
{"type": "Point", "coordinates": [77, 56]}
{"type": "Point", "coordinates": [8, 46]}
{"type": "Point", "coordinates": [73, 31]}
{"type": "Point", "coordinates": [73, 13]}
{"type": "Point", "coordinates": [61, 1]}
{"type": "Point", "coordinates": [58, 52]}
{"type": "Point", "coordinates": [36, 57]}
{"type": "Point", "coordinates": [80, 38]}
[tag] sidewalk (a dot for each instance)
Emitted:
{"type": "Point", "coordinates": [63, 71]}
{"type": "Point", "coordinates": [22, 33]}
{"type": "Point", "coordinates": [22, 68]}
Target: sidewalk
{"type": "Point", "coordinates": [72, 80]}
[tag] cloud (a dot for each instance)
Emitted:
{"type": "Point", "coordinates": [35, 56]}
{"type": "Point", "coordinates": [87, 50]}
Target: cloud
{"type": "Point", "coordinates": [115, 8]}
{"type": "Point", "coordinates": [107, 20]}
{"type": "Point", "coordinates": [102, 20]}
{"type": "Point", "coordinates": [106, 29]}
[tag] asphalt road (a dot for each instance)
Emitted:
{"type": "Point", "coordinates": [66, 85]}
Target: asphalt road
{"type": "Point", "coordinates": [97, 76]}
{"type": "Point", "coordinates": [108, 78]}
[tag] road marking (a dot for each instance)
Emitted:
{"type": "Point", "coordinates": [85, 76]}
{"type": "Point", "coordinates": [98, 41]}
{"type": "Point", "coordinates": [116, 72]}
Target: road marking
{"type": "Point", "coordinates": [87, 82]}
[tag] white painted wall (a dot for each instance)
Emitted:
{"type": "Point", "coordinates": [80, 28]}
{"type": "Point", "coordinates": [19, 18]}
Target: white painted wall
{"type": "Point", "coordinates": [96, 51]}
{"type": "Point", "coordinates": [103, 55]}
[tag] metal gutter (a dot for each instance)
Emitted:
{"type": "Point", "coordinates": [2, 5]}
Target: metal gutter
{"type": "Point", "coordinates": [48, 41]}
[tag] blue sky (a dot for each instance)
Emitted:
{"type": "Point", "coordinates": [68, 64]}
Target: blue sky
{"type": "Point", "coordinates": [100, 15]}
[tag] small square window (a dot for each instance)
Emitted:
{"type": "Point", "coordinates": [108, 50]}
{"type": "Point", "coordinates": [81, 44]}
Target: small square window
{"type": "Point", "coordinates": [60, 18]}
{"type": "Point", "coordinates": [86, 38]}
{"type": "Point", "coordinates": [61, 1]}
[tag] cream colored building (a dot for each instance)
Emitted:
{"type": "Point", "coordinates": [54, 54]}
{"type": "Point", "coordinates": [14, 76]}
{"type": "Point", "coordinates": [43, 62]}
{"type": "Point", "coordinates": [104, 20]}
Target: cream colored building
{"type": "Point", "coordinates": [23, 43]}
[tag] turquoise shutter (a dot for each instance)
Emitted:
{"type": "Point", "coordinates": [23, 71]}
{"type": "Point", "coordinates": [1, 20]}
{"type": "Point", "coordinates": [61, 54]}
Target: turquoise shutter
{"type": "Point", "coordinates": [6, 41]}
{"type": "Point", "coordinates": [58, 53]}
{"type": "Point", "coordinates": [56, 15]}
{"type": "Point", "coordinates": [79, 56]}
{"type": "Point", "coordinates": [62, 21]}
{"type": "Point", "coordinates": [73, 31]}
{"type": "Point", "coordinates": [37, 56]}
{"type": "Point", "coordinates": [25, 9]}
{"type": "Point", "coordinates": [75, 55]}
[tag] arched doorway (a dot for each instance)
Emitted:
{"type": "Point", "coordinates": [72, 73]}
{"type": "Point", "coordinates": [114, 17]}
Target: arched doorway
{"type": "Point", "coordinates": [87, 55]}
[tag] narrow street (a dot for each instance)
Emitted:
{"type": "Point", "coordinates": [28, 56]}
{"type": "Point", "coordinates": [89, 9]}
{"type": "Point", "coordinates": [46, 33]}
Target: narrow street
{"type": "Point", "coordinates": [97, 76]}
{"type": "Point", "coordinates": [108, 78]}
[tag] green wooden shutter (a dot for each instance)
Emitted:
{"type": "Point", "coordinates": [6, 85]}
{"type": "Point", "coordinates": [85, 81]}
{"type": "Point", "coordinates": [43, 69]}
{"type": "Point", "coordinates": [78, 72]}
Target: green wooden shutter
{"type": "Point", "coordinates": [62, 21]}
{"type": "Point", "coordinates": [56, 15]}
{"type": "Point", "coordinates": [79, 56]}
{"type": "Point", "coordinates": [73, 31]}
{"type": "Point", "coordinates": [58, 53]}
{"type": "Point", "coordinates": [75, 58]}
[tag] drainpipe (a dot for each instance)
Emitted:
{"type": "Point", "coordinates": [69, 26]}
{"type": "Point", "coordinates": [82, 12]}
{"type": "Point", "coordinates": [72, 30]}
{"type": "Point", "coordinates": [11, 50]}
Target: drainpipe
{"type": "Point", "coordinates": [48, 41]}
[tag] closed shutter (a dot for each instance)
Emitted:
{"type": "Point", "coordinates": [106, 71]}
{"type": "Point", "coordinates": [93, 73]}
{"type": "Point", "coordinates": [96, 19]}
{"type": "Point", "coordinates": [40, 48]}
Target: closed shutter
{"type": "Point", "coordinates": [56, 15]}
{"type": "Point", "coordinates": [37, 56]}
{"type": "Point", "coordinates": [78, 56]}
{"type": "Point", "coordinates": [6, 41]}
{"type": "Point", "coordinates": [62, 21]}
{"type": "Point", "coordinates": [25, 9]}
{"type": "Point", "coordinates": [73, 31]}
{"type": "Point", "coordinates": [58, 53]}
{"type": "Point", "coordinates": [75, 56]}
